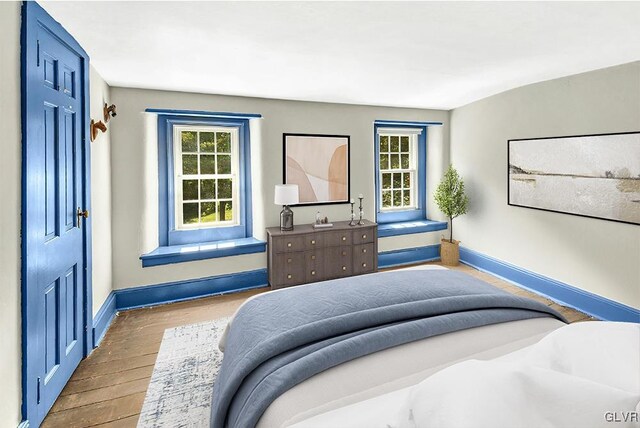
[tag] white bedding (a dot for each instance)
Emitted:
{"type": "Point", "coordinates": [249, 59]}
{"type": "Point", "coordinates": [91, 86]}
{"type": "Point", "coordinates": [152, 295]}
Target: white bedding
{"type": "Point", "coordinates": [397, 368]}
{"type": "Point", "coordinates": [573, 377]}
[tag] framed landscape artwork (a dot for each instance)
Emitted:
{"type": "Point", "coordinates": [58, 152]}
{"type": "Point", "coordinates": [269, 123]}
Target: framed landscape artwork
{"type": "Point", "coordinates": [319, 165]}
{"type": "Point", "coordinates": [590, 175]}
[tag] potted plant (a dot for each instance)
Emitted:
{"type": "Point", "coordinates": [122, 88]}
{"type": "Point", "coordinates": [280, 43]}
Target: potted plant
{"type": "Point", "coordinates": [452, 202]}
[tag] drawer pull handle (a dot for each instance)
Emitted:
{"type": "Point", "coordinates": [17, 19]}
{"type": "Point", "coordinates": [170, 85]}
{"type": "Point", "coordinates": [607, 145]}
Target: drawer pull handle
{"type": "Point", "coordinates": [364, 250]}
{"type": "Point", "coordinates": [289, 276]}
{"type": "Point", "coordinates": [313, 272]}
{"type": "Point", "coordinates": [313, 242]}
{"type": "Point", "coordinates": [344, 268]}
{"type": "Point", "coordinates": [288, 260]}
{"type": "Point", "coordinates": [364, 265]}
{"type": "Point", "coordinates": [313, 257]}
{"type": "Point", "coordinates": [344, 253]}
{"type": "Point", "coordinates": [288, 244]}
{"type": "Point", "coordinates": [364, 236]}
{"type": "Point", "coordinates": [344, 238]}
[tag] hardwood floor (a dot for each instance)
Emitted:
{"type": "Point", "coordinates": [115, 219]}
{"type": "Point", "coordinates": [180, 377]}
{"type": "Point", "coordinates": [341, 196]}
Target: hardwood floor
{"type": "Point", "coordinates": [108, 388]}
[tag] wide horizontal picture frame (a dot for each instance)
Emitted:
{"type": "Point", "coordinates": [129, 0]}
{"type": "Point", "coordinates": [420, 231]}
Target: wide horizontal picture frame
{"type": "Point", "coordinates": [595, 175]}
{"type": "Point", "coordinates": [320, 165]}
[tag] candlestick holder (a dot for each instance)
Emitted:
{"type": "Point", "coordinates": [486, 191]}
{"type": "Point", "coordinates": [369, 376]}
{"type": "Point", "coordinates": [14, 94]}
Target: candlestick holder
{"type": "Point", "coordinates": [353, 216]}
{"type": "Point", "coordinates": [361, 222]}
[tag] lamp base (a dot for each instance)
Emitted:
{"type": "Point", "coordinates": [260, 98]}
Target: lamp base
{"type": "Point", "coordinates": [286, 219]}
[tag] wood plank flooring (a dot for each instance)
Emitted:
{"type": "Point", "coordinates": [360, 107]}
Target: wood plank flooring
{"type": "Point", "coordinates": [108, 388]}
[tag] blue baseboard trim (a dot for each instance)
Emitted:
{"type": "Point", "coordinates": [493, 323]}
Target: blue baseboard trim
{"type": "Point", "coordinates": [153, 295]}
{"type": "Point", "coordinates": [408, 256]}
{"type": "Point", "coordinates": [103, 319]}
{"type": "Point", "coordinates": [567, 295]}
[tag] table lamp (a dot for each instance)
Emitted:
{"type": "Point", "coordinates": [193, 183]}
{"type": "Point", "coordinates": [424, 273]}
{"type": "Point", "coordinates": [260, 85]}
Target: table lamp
{"type": "Point", "coordinates": [286, 194]}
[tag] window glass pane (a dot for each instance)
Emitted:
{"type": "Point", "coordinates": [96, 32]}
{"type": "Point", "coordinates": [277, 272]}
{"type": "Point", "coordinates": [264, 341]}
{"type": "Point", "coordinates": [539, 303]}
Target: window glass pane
{"type": "Point", "coordinates": [189, 164]}
{"type": "Point", "coordinates": [226, 210]}
{"type": "Point", "coordinates": [190, 190]}
{"type": "Point", "coordinates": [190, 213]}
{"type": "Point", "coordinates": [395, 143]}
{"type": "Point", "coordinates": [208, 212]}
{"type": "Point", "coordinates": [407, 180]}
{"type": "Point", "coordinates": [224, 142]}
{"type": "Point", "coordinates": [224, 164]}
{"type": "Point", "coordinates": [406, 198]}
{"type": "Point", "coordinates": [189, 142]}
{"type": "Point", "coordinates": [397, 198]}
{"type": "Point", "coordinates": [404, 164]}
{"type": "Point", "coordinates": [386, 199]}
{"type": "Point", "coordinates": [207, 142]}
{"type": "Point", "coordinates": [404, 144]}
{"type": "Point", "coordinates": [224, 188]}
{"type": "Point", "coordinates": [397, 181]}
{"type": "Point", "coordinates": [395, 161]}
{"type": "Point", "coordinates": [386, 180]}
{"type": "Point", "coordinates": [207, 164]}
{"type": "Point", "coordinates": [384, 143]}
{"type": "Point", "coordinates": [207, 189]}
{"type": "Point", "coordinates": [384, 161]}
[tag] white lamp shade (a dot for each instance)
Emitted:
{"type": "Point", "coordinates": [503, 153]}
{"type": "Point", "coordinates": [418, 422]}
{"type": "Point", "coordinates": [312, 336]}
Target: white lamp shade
{"type": "Point", "coordinates": [286, 194]}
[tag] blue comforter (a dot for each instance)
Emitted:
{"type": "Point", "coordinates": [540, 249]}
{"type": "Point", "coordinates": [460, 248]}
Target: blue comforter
{"type": "Point", "coordinates": [278, 340]}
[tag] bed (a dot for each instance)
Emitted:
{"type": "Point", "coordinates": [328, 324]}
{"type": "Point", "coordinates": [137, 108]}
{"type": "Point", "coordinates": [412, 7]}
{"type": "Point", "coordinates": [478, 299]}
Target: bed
{"type": "Point", "coordinates": [352, 352]}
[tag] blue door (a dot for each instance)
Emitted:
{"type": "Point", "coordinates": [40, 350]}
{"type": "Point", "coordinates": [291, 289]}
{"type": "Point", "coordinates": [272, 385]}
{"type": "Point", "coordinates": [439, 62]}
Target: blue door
{"type": "Point", "coordinates": [55, 230]}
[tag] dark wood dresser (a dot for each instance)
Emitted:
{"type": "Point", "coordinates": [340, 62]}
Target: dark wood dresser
{"type": "Point", "coordinates": [306, 254]}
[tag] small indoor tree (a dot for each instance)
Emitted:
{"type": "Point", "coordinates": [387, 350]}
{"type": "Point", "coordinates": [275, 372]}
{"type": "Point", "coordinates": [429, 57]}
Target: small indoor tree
{"type": "Point", "coordinates": [453, 202]}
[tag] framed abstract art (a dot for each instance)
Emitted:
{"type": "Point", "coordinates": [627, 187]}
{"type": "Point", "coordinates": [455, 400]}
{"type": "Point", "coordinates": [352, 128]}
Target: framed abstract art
{"type": "Point", "coordinates": [319, 165]}
{"type": "Point", "coordinates": [594, 176]}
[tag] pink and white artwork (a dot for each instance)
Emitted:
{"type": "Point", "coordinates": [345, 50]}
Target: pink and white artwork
{"type": "Point", "coordinates": [319, 165]}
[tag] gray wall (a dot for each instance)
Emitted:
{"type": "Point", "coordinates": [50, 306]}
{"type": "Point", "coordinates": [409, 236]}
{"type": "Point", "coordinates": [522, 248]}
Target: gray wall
{"type": "Point", "coordinates": [100, 196]}
{"type": "Point", "coordinates": [598, 256]}
{"type": "Point", "coordinates": [10, 170]}
{"type": "Point", "coordinates": [135, 172]}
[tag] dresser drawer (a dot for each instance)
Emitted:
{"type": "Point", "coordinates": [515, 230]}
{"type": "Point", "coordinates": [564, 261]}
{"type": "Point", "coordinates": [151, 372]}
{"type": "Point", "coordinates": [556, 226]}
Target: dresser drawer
{"type": "Point", "coordinates": [314, 265]}
{"type": "Point", "coordinates": [337, 238]}
{"type": "Point", "coordinates": [363, 258]}
{"type": "Point", "coordinates": [313, 241]}
{"type": "Point", "coordinates": [338, 262]}
{"type": "Point", "coordinates": [282, 244]}
{"type": "Point", "coordinates": [364, 236]}
{"type": "Point", "coordinates": [289, 269]}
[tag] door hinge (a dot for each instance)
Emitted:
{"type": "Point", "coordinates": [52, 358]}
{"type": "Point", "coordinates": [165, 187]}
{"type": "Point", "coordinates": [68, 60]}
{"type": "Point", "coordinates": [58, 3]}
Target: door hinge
{"type": "Point", "coordinates": [38, 53]}
{"type": "Point", "coordinates": [38, 394]}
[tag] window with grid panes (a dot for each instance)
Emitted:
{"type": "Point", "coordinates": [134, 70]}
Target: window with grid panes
{"type": "Point", "coordinates": [206, 168]}
{"type": "Point", "coordinates": [398, 170]}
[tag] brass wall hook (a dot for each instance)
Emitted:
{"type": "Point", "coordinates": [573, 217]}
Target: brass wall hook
{"type": "Point", "coordinates": [94, 127]}
{"type": "Point", "coordinates": [109, 111]}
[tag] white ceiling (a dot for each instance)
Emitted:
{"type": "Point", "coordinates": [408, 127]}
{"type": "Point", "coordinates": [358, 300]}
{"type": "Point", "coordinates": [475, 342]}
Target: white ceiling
{"type": "Point", "coordinates": [410, 54]}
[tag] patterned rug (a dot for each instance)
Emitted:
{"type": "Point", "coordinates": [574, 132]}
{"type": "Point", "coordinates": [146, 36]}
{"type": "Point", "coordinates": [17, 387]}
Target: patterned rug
{"type": "Point", "coordinates": [179, 393]}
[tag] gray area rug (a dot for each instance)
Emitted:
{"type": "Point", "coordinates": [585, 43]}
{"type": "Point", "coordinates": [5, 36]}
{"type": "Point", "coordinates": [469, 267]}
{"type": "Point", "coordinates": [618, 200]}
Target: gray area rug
{"type": "Point", "coordinates": [179, 393]}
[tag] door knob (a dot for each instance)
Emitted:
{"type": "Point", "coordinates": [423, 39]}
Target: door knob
{"type": "Point", "coordinates": [80, 213]}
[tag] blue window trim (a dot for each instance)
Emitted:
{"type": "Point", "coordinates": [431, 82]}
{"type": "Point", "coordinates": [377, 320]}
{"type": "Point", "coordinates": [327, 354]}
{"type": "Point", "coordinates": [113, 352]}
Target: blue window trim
{"type": "Point", "coordinates": [409, 227]}
{"type": "Point", "coordinates": [205, 250]}
{"type": "Point", "coordinates": [200, 113]}
{"type": "Point", "coordinates": [167, 233]}
{"type": "Point", "coordinates": [406, 215]}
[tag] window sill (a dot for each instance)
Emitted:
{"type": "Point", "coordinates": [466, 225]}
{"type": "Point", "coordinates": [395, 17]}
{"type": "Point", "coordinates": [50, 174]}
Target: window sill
{"type": "Point", "coordinates": [409, 227]}
{"type": "Point", "coordinates": [205, 250]}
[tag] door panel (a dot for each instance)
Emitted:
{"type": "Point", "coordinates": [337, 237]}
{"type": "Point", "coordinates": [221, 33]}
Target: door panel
{"type": "Point", "coordinates": [55, 243]}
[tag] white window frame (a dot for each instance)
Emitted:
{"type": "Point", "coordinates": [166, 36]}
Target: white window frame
{"type": "Point", "coordinates": [413, 134]}
{"type": "Point", "coordinates": [179, 176]}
